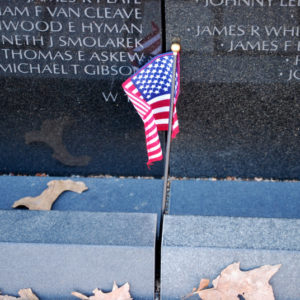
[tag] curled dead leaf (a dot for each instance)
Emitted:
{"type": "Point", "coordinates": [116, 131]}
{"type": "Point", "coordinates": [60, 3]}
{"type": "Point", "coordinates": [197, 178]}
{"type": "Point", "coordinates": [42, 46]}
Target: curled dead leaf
{"type": "Point", "coordinates": [233, 283]}
{"type": "Point", "coordinates": [25, 294]}
{"type": "Point", "coordinates": [117, 293]}
{"type": "Point", "coordinates": [46, 199]}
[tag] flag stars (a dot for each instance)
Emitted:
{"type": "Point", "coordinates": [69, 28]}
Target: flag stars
{"type": "Point", "coordinates": [155, 79]}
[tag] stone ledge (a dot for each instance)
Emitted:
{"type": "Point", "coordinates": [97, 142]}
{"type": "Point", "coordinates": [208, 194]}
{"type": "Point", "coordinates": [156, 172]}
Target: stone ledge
{"type": "Point", "coordinates": [235, 198]}
{"type": "Point", "coordinates": [131, 195]}
{"type": "Point", "coordinates": [227, 232]}
{"type": "Point", "coordinates": [103, 195]}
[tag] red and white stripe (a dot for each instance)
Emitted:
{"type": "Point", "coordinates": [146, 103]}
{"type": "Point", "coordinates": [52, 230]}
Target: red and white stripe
{"type": "Point", "coordinates": [151, 131]}
{"type": "Point", "coordinates": [150, 45]}
{"type": "Point", "coordinates": [161, 109]}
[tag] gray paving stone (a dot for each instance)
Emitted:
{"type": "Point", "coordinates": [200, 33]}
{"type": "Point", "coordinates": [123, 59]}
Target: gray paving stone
{"type": "Point", "coordinates": [235, 198]}
{"type": "Point", "coordinates": [58, 252]}
{"type": "Point", "coordinates": [196, 247]}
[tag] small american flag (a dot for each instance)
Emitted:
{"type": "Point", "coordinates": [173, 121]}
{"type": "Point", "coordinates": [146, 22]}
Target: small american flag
{"type": "Point", "coordinates": [149, 90]}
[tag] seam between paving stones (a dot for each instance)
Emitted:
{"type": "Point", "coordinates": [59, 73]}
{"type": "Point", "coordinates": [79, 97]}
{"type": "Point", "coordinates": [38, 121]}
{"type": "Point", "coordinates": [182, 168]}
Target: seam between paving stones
{"type": "Point", "coordinates": [230, 218]}
{"type": "Point", "coordinates": [232, 248]}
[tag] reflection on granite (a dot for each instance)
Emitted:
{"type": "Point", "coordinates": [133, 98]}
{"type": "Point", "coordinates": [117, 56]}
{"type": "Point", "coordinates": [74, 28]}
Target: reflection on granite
{"type": "Point", "coordinates": [51, 133]}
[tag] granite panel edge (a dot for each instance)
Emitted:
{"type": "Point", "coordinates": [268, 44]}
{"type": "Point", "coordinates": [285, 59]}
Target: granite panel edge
{"type": "Point", "coordinates": [228, 232]}
{"type": "Point", "coordinates": [91, 228]}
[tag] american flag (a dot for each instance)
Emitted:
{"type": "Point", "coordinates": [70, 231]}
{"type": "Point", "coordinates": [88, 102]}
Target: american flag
{"type": "Point", "coordinates": [149, 90]}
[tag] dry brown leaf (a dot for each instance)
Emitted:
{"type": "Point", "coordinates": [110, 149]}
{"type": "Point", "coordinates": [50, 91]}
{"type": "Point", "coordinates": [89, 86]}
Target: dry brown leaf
{"type": "Point", "coordinates": [232, 283]}
{"type": "Point", "coordinates": [118, 293]}
{"type": "Point", "coordinates": [25, 294]}
{"type": "Point", "coordinates": [46, 199]}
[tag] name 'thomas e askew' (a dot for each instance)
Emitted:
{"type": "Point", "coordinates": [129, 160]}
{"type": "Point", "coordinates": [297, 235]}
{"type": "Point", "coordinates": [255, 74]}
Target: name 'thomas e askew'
{"type": "Point", "coordinates": [68, 56]}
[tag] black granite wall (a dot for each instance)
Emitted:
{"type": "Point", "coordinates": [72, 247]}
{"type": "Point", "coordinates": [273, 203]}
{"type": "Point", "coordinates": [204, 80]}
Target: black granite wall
{"type": "Point", "coordinates": [62, 64]}
{"type": "Point", "coordinates": [239, 108]}
{"type": "Point", "coordinates": [63, 110]}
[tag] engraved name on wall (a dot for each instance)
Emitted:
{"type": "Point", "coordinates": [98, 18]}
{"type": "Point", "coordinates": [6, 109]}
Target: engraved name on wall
{"type": "Point", "coordinates": [75, 38]}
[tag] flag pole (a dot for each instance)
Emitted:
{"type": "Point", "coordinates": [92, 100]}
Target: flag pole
{"type": "Point", "coordinates": [175, 49]}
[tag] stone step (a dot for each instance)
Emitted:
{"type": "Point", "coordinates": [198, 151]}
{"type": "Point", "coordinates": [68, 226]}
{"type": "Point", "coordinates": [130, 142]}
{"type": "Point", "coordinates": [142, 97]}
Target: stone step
{"type": "Point", "coordinates": [57, 252]}
{"type": "Point", "coordinates": [196, 247]}
{"type": "Point", "coordinates": [263, 199]}
{"type": "Point", "coordinates": [103, 195]}
{"type": "Point", "coordinates": [134, 195]}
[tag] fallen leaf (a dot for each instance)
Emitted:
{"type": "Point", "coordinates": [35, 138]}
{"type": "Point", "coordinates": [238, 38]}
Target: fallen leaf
{"type": "Point", "coordinates": [233, 284]}
{"type": "Point", "coordinates": [46, 199]}
{"type": "Point", "coordinates": [25, 294]}
{"type": "Point", "coordinates": [118, 293]}
{"type": "Point", "coordinates": [204, 283]}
